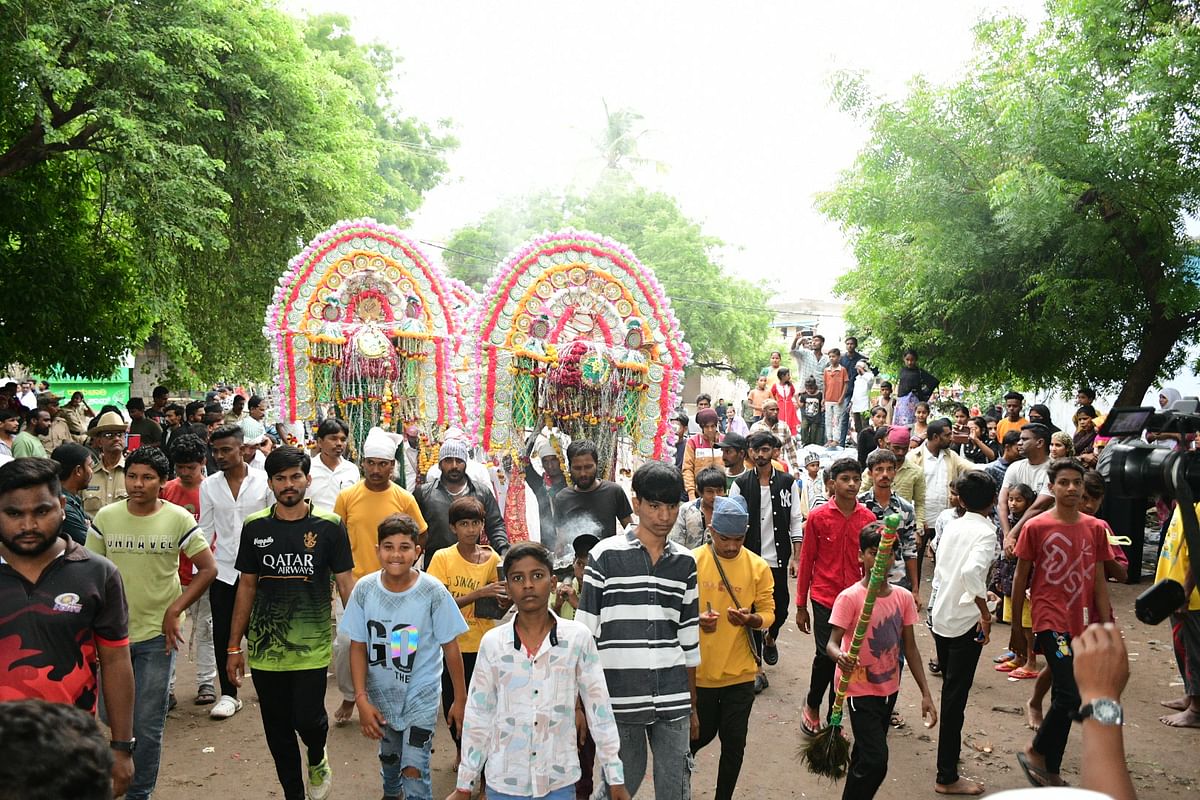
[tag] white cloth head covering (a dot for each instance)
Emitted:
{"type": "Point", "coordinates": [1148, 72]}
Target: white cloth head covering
{"type": "Point", "coordinates": [379, 444]}
{"type": "Point", "coordinates": [546, 448]}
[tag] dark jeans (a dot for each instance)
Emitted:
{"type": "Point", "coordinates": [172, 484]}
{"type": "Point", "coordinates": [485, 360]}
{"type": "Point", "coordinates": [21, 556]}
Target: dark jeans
{"type": "Point", "coordinates": [220, 599]}
{"type": "Point", "coordinates": [870, 718]}
{"type": "Point", "coordinates": [587, 762]}
{"type": "Point", "coordinates": [782, 600]}
{"type": "Point", "coordinates": [1051, 739]}
{"type": "Point", "coordinates": [725, 712]}
{"type": "Point", "coordinates": [293, 703]}
{"type": "Point", "coordinates": [958, 657]}
{"type": "Point", "coordinates": [448, 690]}
{"type": "Point", "coordinates": [821, 682]}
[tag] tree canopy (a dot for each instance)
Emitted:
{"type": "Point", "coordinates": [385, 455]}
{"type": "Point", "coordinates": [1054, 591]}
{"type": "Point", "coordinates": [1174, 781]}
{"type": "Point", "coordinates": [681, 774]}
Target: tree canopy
{"type": "Point", "coordinates": [1027, 223]}
{"type": "Point", "coordinates": [724, 318]}
{"type": "Point", "coordinates": [159, 165]}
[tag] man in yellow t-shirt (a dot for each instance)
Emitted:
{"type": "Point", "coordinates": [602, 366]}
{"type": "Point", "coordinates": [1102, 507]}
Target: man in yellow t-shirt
{"type": "Point", "coordinates": [728, 663]}
{"type": "Point", "coordinates": [1185, 626]}
{"type": "Point", "coordinates": [362, 507]}
{"type": "Point", "coordinates": [469, 571]}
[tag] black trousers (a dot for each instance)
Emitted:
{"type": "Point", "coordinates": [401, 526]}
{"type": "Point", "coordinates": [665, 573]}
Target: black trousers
{"type": "Point", "coordinates": [821, 681]}
{"type": "Point", "coordinates": [870, 719]}
{"type": "Point", "coordinates": [293, 703]}
{"type": "Point", "coordinates": [1051, 738]}
{"type": "Point", "coordinates": [221, 597]}
{"type": "Point", "coordinates": [958, 657]}
{"type": "Point", "coordinates": [782, 601]}
{"type": "Point", "coordinates": [448, 690]}
{"type": "Point", "coordinates": [725, 712]}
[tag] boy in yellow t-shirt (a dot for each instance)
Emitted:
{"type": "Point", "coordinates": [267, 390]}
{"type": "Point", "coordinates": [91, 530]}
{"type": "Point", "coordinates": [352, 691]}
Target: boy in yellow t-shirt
{"type": "Point", "coordinates": [469, 571]}
{"type": "Point", "coordinates": [728, 662]}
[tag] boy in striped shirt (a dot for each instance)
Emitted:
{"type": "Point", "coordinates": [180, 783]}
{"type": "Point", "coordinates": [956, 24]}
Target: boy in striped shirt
{"type": "Point", "coordinates": [633, 579]}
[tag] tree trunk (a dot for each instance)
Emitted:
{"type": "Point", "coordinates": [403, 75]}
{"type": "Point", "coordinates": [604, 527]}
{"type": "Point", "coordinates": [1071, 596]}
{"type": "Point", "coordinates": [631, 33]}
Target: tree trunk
{"type": "Point", "coordinates": [1161, 338]}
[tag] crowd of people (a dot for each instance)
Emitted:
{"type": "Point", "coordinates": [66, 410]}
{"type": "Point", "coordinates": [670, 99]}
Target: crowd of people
{"type": "Point", "coordinates": [558, 681]}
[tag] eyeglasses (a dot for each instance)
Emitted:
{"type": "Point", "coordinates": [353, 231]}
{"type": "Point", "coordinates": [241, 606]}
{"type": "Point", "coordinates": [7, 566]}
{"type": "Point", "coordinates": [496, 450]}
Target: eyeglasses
{"type": "Point", "coordinates": [110, 435]}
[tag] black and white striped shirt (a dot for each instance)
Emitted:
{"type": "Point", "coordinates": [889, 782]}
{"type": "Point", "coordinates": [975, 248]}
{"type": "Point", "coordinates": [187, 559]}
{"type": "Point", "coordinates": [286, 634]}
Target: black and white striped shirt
{"type": "Point", "coordinates": [645, 618]}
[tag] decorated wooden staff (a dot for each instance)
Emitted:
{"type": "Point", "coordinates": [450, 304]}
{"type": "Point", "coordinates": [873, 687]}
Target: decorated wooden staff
{"type": "Point", "coordinates": [828, 753]}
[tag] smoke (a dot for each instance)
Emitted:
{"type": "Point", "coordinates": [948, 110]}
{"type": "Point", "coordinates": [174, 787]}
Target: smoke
{"type": "Point", "coordinates": [560, 541]}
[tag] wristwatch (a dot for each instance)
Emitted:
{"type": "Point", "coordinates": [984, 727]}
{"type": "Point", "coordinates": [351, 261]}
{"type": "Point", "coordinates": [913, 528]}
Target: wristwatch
{"type": "Point", "coordinates": [123, 746]}
{"type": "Point", "coordinates": [1103, 710]}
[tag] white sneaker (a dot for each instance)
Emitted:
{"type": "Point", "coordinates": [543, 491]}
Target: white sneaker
{"type": "Point", "coordinates": [320, 779]}
{"type": "Point", "coordinates": [225, 708]}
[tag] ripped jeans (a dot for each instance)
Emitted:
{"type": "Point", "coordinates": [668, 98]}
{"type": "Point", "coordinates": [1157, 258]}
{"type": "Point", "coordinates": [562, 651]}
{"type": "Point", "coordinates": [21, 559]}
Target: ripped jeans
{"type": "Point", "coordinates": [670, 741]}
{"type": "Point", "coordinates": [400, 750]}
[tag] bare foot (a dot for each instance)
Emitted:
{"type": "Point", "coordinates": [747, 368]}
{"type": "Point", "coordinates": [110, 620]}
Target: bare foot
{"type": "Point", "coordinates": [960, 786]}
{"type": "Point", "coordinates": [1033, 715]}
{"type": "Point", "coordinates": [1038, 764]}
{"type": "Point", "coordinates": [1184, 719]}
{"type": "Point", "coordinates": [344, 714]}
{"type": "Point", "coordinates": [1177, 705]}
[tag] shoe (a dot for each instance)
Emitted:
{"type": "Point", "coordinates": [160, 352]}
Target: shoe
{"type": "Point", "coordinates": [225, 708]}
{"type": "Point", "coordinates": [206, 695]}
{"type": "Point", "coordinates": [320, 779]}
{"type": "Point", "coordinates": [770, 654]}
{"type": "Point", "coordinates": [760, 683]}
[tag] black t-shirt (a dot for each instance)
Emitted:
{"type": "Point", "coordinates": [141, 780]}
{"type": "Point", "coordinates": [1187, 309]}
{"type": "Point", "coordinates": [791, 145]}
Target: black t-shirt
{"type": "Point", "coordinates": [50, 631]}
{"type": "Point", "coordinates": [595, 511]}
{"type": "Point", "coordinates": [294, 561]}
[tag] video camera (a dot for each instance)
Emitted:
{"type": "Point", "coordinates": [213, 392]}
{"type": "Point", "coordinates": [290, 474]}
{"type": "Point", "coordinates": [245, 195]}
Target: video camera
{"type": "Point", "coordinates": [1140, 469]}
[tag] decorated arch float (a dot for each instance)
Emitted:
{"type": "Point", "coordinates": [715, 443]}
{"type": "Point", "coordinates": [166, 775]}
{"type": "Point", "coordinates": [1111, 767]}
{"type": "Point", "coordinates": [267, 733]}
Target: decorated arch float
{"type": "Point", "coordinates": [362, 325]}
{"type": "Point", "coordinates": [573, 333]}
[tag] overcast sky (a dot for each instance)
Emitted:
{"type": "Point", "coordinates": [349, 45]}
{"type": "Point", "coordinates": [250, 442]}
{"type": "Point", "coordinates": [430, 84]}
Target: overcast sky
{"type": "Point", "coordinates": [735, 96]}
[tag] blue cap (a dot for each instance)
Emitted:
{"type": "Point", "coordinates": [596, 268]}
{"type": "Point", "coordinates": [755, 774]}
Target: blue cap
{"type": "Point", "coordinates": [730, 517]}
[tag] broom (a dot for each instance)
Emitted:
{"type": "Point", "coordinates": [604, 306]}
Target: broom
{"type": "Point", "coordinates": [828, 753]}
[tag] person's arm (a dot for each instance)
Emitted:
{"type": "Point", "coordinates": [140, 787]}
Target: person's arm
{"type": "Point", "coordinates": [372, 721]}
{"type": "Point", "coordinates": [908, 551]}
{"type": "Point", "coordinates": [1002, 513]}
{"type": "Point", "coordinates": [235, 663]}
{"type": "Point", "coordinates": [1100, 588]}
{"type": "Point", "coordinates": [1020, 584]}
{"type": "Point", "coordinates": [454, 663]}
{"type": "Point", "coordinates": [694, 719]}
{"type": "Point", "coordinates": [808, 557]}
{"type": "Point", "coordinates": [689, 469]}
{"type": "Point", "coordinates": [988, 452]}
{"type": "Point", "coordinates": [833, 649]}
{"type": "Point", "coordinates": [206, 572]}
{"type": "Point", "coordinates": [1041, 504]}
{"type": "Point", "coordinates": [1102, 671]}
{"type": "Point", "coordinates": [919, 499]}
{"type": "Point", "coordinates": [913, 656]}
{"type": "Point", "coordinates": [116, 682]}
{"type": "Point", "coordinates": [789, 453]}
{"type": "Point", "coordinates": [597, 709]}
{"type": "Point", "coordinates": [478, 722]}
{"type": "Point", "coordinates": [494, 522]}
{"type": "Point", "coordinates": [345, 585]}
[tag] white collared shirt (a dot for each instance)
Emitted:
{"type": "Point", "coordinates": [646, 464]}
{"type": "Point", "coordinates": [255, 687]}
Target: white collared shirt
{"type": "Point", "coordinates": [327, 483]}
{"type": "Point", "coordinates": [221, 515]}
{"type": "Point", "coordinates": [937, 485]}
{"type": "Point", "coordinates": [520, 714]}
{"type": "Point", "coordinates": [964, 556]}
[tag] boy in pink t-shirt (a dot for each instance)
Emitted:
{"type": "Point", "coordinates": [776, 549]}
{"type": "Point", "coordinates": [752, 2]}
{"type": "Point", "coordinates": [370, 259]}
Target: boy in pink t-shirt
{"type": "Point", "coordinates": [875, 671]}
{"type": "Point", "coordinates": [1066, 591]}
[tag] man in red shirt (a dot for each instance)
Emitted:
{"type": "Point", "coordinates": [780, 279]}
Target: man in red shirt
{"type": "Point", "coordinates": [828, 564]}
{"type": "Point", "coordinates": [188, 454]}
{"type": "Point", "coordinates": [1068, 548]}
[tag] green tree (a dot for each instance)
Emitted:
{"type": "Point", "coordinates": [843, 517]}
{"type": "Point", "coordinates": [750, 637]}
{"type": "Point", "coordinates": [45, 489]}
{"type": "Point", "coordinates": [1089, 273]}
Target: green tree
{"type": "Point", "coordinates": [724, 318]}
{"type": "Point", "coordinates": [1026, 223]}
{"type": "Point", "coordinates": [159, 164]}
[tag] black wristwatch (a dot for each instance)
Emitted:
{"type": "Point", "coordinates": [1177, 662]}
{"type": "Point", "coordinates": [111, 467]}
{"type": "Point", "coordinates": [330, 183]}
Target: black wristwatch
{"type": "Point", "coordinates": [1103, 710]}
{"type": "Point", "coordinates": [123, 746]}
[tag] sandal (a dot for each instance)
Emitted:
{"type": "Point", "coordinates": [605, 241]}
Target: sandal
{"type": "Point", "coordinates": [935, 668]}
{"type": "Point", "coordinates": [1000, 659]}
{"type": "Point", "coordinates": [206, 695]}
{"type": "Point", "coordinates": [1022, 674]}
{"type": "Point", "coordinates": [809, 726]}
{"type": "Point", "coordinates": [1008, 666]}
{"type": "Point", "coordinates": [898, 721]}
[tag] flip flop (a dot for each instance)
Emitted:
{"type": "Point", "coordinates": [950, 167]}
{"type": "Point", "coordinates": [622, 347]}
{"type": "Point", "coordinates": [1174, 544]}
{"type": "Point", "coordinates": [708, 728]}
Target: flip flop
{"type": "Point", "coordinates": [1007, 666]}
{"type": "Point", "coordinates": [1000, 659]}
{"type": "Point", "coordinates": [935, 668]}
{"type": "Point", "coordinates": [809, 726]}
{"type": "Point", "coordinates": [1022, 674]}
{"type": "Point", "coordinates": [1037, 777]}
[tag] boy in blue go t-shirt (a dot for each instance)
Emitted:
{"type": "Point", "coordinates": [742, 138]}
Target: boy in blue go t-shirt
{"type": "Point", "coordinates": [400, 622]}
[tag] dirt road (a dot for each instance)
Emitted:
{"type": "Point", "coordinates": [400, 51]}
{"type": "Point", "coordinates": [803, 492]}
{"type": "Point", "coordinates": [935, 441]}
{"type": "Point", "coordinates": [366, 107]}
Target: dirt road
{"type": "Point", "coordinates": [1164, 761]}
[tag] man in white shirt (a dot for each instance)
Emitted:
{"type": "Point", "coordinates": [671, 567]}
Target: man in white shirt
{"type": "Point", "coordinates": [330, 473]}
{"type": "Point", "coordinates": [226, 499]}
{"type": "Point", "coordinates": [942, 467]}
{"type": "Point", "coordinates": [252, 423]}
{"type": "Point", "coordinates": [961, 619]}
